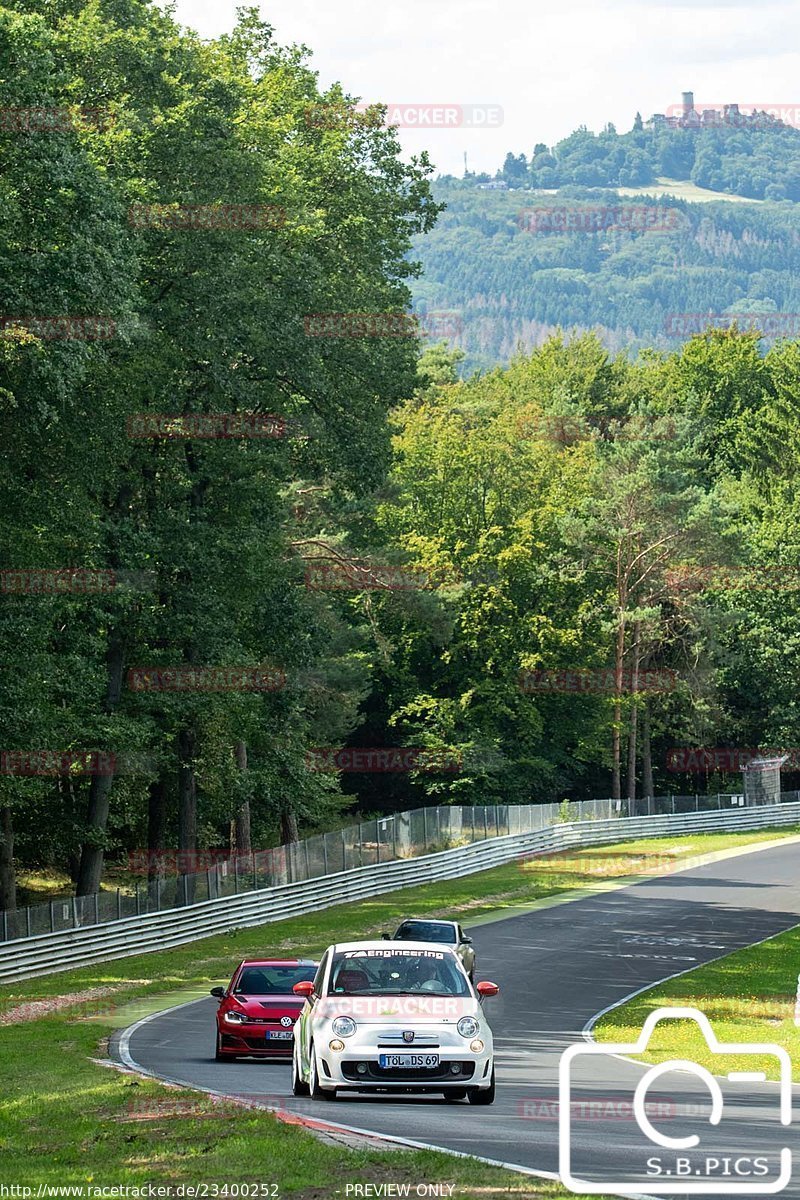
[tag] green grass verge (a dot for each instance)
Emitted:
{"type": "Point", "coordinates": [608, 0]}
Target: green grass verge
{"type": "Point", "coordinates": [65, 1118]}
{"type": "Point", "coordinates": [748, 996]}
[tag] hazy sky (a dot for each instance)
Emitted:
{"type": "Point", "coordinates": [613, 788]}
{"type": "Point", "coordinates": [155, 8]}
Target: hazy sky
{"type": "Point", "coordinates": [550, 65]}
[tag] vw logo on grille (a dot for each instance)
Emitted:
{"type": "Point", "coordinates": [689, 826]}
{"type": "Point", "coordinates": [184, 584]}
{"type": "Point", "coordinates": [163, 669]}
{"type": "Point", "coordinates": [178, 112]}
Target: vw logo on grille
{"type": "Point", "coordinates": [408, 1035]}
{"type": "Point", "coordinates": [287, 1021]}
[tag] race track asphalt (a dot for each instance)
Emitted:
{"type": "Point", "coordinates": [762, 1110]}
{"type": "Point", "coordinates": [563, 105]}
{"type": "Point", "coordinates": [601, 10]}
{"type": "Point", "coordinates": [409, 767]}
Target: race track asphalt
{"type": "Point", "coordinates": [557, 968]}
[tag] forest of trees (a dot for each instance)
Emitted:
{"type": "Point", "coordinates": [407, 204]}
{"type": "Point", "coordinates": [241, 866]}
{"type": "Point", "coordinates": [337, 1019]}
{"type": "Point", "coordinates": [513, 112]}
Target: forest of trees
{"type": "Point", "coordinates": [758, 158]}
{"type": "Point", "coordinates": [512, 278]}
{"type": "Point", "coordinates": [202, 480]}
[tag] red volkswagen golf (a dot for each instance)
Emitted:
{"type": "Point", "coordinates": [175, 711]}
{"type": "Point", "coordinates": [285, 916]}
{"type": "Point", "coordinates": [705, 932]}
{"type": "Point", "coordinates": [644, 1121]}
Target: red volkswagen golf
{"type": "Point", "coordinates": [258, 1008]}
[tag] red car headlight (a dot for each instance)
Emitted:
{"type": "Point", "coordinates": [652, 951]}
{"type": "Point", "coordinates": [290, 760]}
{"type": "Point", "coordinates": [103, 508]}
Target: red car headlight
{"type": "Point", "coordinates": [234, 1018]}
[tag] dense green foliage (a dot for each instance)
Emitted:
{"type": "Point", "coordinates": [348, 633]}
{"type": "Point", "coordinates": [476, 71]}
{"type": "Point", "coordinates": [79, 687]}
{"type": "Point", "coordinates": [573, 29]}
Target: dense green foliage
{"type": "Point", "coordinates": [561, 503]}
{"type": "Point", "coordinates": [756, 156]}
{"type": "Point", "coordinates": [207, 320]}
{"type": "Point", "coordinates": [406, 544]}
{"type": "Point", "coordinates": [513, 282]}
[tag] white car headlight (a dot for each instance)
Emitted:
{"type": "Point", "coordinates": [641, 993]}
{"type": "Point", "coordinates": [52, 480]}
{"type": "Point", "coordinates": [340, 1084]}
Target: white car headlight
{"type": "Point", "coordinates": [468, 1027]}
{"type": "Point", "coordinates": [234, 1018]}
{"type": "Point", "coordinates": [343, 1026]}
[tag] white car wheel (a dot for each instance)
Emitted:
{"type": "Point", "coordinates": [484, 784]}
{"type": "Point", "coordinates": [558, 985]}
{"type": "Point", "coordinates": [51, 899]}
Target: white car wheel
{"type": "Point", "coordinates": [299, 1086]}
{"type": "Point", "coordinates": [316, 1091]}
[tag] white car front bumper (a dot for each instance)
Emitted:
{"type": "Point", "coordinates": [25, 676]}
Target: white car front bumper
{"type": "Point", "coordinates": [358, 1066]}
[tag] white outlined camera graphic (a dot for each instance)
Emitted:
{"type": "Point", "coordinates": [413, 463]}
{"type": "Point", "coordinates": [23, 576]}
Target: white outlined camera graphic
{"type": "Point", "coordinates": [686, 1176]}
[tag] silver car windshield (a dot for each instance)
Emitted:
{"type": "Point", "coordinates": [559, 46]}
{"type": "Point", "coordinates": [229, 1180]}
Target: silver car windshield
{"type": "Point", "coordinates": [426, 931]}
{"type": "Point", "coordinates": [396, 971]}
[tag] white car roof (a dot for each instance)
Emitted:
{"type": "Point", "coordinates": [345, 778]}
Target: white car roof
{"type": "Point", "coordinates": [386, 944]}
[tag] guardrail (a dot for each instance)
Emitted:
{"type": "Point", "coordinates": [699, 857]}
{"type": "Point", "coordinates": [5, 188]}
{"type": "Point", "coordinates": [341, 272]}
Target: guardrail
{"type": "Point", "coordinates": [384, 839]}
{"type": "Point", "coordinates": [48, 953]}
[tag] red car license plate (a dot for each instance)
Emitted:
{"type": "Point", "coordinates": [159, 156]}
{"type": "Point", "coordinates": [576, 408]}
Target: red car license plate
{"type": "Point", "coordinates": [281, 1035]}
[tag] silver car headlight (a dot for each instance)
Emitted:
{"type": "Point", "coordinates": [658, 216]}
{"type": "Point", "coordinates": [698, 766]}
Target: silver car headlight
{"type": "Point", "coordinates": [234, 1018]}
{"type": "Point", "coordinates": [468, 1027]}
{"type": "Point", "coordinates": [343, 1026]}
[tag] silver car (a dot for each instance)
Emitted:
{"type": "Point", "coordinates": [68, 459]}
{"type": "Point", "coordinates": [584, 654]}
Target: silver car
{"type": "Point", "coordinates": [445, 933]}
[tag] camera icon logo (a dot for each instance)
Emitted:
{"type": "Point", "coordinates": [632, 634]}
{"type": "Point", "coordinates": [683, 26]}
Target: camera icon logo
{"type": "Point", "coordinates": [686, 1167]}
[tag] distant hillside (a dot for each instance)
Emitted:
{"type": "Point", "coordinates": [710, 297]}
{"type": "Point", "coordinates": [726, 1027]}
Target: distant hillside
{"type": "Point", "coordinates": [514, 265]}
{"type": "Point", "coordinates": [752, 155]}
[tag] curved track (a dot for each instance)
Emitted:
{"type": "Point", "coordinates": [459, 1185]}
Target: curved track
{"type": "Point", "coordinates": [558, 968]}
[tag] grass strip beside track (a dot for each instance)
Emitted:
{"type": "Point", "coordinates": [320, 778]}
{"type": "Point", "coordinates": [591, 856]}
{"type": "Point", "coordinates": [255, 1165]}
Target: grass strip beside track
{"type": "Point", "coordinates": [748, 996]}
{"type": "Point", "coordinates": [67, 1119]}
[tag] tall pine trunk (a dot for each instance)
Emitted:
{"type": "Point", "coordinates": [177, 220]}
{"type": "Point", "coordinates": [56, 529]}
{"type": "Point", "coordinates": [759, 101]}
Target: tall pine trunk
{"type": "Point", "coordinates": [8, 879]}
{"type": "Point", "coordinates": [187, 811]}
{"type": "Point", "coordinates": [90, 870]}
{"type": "Point", "coordinates": [616, 768]}
{"type": "Point", "coordinates": [243, 843]}
{"type": "Point", "coordinates": [634, 716]}
{"type": "Point", "coordinates": [156, 827]}
{"type": "Point", "coordinates": [289, 830]}
{"type": "Point", "coordinates": [647, 756]}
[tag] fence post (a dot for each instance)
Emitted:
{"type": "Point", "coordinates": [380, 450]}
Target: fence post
{"type": "Point", "coordinates": [236, 875]}
{"type": "Point", "coordinates": [324, 854]}
{"type": "Point", "coordinates": [360, 846]}
{"type": "Point", "coordinates": [52, 917]}
{"type": "Point", "coordinates": [75, 912]}
{"type": "Point", "coordinates": [97, 908]}
{"type": "Point", "coordinates": [308, 861]}
{"type": "Point", "coordinates": [672, 798]}
{"type": "Point", "coordinates": [377, 839]}
{"type": "Point", "coordinates": [344, 851]}
{"type": "Point", "coordinates": [28, 920]}
{"type": "Point", "coordinates": [138, 906]}
{"type": "Point", "coordinates": [394, 836]}
{"type": "Point", "coordinates": [424, 830]}
{"type": "Point", "coordinates": [208, 882]}
{"type": "Point", "coordinates": [255, 875]}
{"type": "Point", "coordinates": [5, 925]}
{"type": "Point", "coordinates": [497, 820]}
{"type": "Point", "coordinates": [485, 824]}
{"type": "Point", "coordinates": [696, 802]}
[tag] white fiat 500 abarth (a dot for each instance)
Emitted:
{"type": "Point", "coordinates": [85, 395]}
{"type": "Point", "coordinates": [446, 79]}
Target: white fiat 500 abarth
{"type": "Point", "coordinates": [393, 1017]}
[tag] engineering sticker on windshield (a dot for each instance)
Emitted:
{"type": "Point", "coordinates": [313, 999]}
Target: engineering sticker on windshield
{"type": "Point", "coordinates": [393, 954]}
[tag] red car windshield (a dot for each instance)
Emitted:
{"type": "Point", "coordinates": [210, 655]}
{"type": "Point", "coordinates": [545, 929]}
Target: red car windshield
{"type": "Point", "coordinates": [271, 980]}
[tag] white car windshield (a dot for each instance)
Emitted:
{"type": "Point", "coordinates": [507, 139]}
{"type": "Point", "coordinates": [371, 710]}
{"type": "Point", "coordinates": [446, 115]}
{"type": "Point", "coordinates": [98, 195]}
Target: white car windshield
{"type": "Point", "coordinates": [396, 971]}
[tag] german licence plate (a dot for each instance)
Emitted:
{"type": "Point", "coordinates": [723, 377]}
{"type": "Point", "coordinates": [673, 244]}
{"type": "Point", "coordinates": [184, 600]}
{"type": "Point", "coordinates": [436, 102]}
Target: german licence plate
{"type": "Point", "coordinates": [408, 1060]}
{"type": "Point", "coordinates": [281, 1035]}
